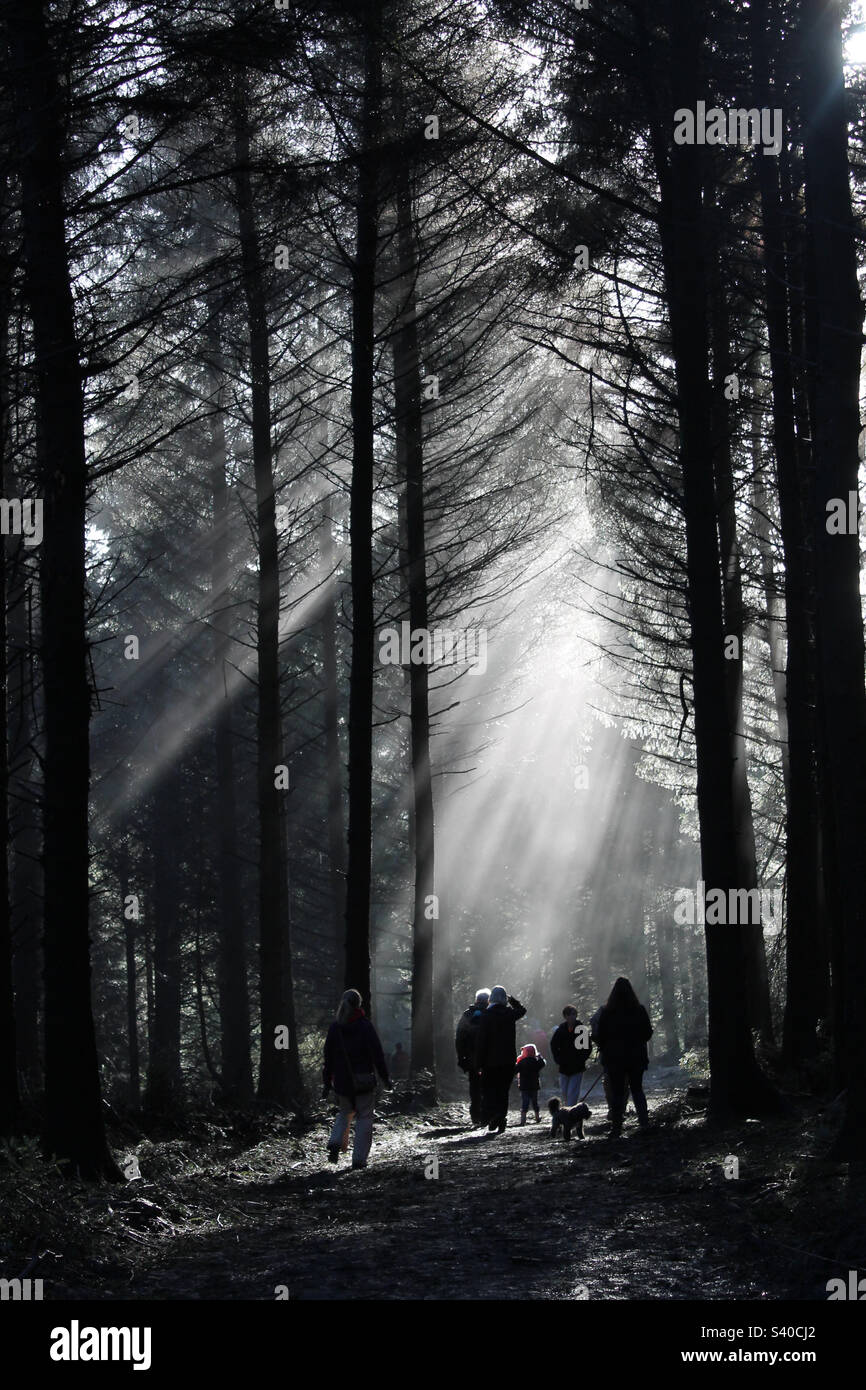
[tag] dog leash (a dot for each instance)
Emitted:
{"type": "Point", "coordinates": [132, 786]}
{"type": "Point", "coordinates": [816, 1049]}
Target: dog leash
{"type": "Point", "coordinates": [591, 1089]}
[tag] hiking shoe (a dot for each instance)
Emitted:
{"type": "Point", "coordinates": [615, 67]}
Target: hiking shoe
{"type": "Point", "coordinates": [537, 1117]}
{"type": "Point", "coordinates": [359, 1163]}
{"type": "Point", "coordinates": [333, 1153]}
{"type": "Point", "coordinates": [523, 1118]}
{"type": "Point", "coordinates": [501, 1129]}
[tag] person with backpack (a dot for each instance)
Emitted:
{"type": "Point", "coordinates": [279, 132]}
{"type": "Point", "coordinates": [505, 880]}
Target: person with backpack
{"type": "Point", "coordinates": [570, 1050]}
{"type": "Point", "coordinates": [353, 1056]}
{"type": "Point", "coordinates": [494, 1056]}
{"type": "Point", "coordinates": [529, 1067]}
{"type": "Point", "coordinates": [466, 1039]}
{"type": "Point", "coordinates": [624, 1029]}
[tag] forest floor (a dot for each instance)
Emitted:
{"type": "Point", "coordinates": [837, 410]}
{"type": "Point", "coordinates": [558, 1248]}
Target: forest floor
{"type": "Point", "coordinates": [252, 1210]}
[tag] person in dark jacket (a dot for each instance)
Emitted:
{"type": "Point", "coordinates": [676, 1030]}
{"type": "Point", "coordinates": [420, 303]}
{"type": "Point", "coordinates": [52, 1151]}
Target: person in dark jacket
{"type": "Point", "coordinates": [529, 1067]}
{"type": "Point", "coordinates": [570, 1048]}
{"type": "Point", "coordinates": [494, 1056]}
{"type": "Point", "coordinates": [593, 1024]}
{"type": "Point", "coordinates": [465, 1041]}
{"type": "Point", "coordinates": [624, 1029]}
{"type": "Point", "coordinates": [353, 1056]}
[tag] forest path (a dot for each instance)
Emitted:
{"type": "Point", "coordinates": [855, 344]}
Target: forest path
{"type": "Point", "coordinates": [520, 1215]}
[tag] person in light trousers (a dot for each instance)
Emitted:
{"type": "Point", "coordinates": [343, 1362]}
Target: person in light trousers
{"type": "Point", "coordinates": [569, 1056]}
{"type": "Point", "coordinates": [353, 1057]}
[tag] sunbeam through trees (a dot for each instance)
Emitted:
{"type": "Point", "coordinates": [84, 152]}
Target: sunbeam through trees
{"type": "Point", "coordinates": [434, 774]}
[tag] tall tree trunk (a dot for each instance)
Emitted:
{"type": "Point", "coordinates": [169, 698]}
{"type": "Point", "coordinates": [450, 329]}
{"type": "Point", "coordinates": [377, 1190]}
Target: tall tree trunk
{"type": "Point", "coordinates": [74, 1129]}
{"type": "Point", "coordinates": [134, 1092]}
{"type": "Point", "coordinates": [737, 1084]}
{"type": "Point", "coordinates": [333, 760]}
{"type": "Point", "coordinates": [26, 880]}
{"type": "Point", "coordinates": [443, 995]}
{"type": "Point", "coordinates": [774, 628]}
{"type": "Point", "coordinates": [358, 875]}
{"type": "Point", "coordinates": [410, 461]}
{"type": "Point", "coordinates": [199, 969]}
{"type": "Point", "coordinates": [836, 312]}
{"type": "Point", "coordinates": [664, 933]}
{"type": "Point", "coordinates": [236, 1069]}
{"type": "Point", "coordinates": [757, 981]}
{"type": "Point", "coordinates": [149, 988]}
{"type": "Point", "coordinates": [9, 1099]}
{"type": "Point", "coordinates": [279, 1070]}
{"type": "Point", "coordinates": [804, 348]}
{"type": "Point", "coordinates": [26, 894]}
{"type": "Point", "coordinates": [806, 996]}
{"type": "Point", "coordinates": [691, 956]}
{"type": "Point", "coordinates": [164, 1077]}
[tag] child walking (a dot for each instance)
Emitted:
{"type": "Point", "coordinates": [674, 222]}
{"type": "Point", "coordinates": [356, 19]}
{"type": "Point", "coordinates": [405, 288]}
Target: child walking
{"type": "Point", "coordinates": [528, 1067]}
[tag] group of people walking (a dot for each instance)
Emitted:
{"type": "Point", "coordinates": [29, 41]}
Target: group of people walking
{"type": "Point", "coordinates": [486, 1041]}
{"type": "Point", "coordinates": [485, 1051]}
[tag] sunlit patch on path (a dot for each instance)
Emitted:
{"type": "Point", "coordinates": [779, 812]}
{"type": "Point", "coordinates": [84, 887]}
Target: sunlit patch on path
{"type": "Point", "coordinates": [648, 1216]}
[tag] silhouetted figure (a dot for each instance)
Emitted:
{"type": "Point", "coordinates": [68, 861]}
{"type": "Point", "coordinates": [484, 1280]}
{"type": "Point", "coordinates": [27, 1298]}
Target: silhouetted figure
{"type": "Point", "coordinates": [568, 1056]}
{"type": "Point", "coordinates": [495, 1056]}
{"type": "Point", "coordinates": [399, 1063]}
{"type": "Point", "coordinates": [466, 1042]}
{"type": "Point", "coordinates": [529, 1066]}
{"type": "Point", "coordinates": [353, 1055]}
{"type": "Point", "coordinates": [593, 1024]}
{"type": "Point", "coordinates": [624, 1029]}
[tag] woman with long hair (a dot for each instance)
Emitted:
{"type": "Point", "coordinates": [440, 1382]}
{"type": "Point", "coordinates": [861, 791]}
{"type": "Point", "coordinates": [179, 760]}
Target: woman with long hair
{"type": "Point", "coordinates": [623, 1031]}
{"type": "Point", "coordinates": [353, 1056]}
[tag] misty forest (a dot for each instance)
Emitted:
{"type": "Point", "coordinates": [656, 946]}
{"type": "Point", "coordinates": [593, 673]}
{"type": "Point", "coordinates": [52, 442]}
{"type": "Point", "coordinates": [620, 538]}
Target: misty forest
{"type": "Point", "coordinates": [431, 437]}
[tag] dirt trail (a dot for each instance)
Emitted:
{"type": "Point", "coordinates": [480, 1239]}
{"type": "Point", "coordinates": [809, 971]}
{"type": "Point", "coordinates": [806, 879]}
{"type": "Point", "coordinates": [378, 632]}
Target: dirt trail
{"type": "Point", "coordinates": [648, 1216]}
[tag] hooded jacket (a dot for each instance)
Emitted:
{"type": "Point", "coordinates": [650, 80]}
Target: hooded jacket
{"type": "Point", "coordinates": [528, 1069]}
{"type": "Point", "coordinates": [497, 1041]}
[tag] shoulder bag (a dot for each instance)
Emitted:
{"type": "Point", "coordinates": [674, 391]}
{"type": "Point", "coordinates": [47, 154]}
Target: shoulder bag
{"type": "Point", "coordinates": [362, 1081]}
